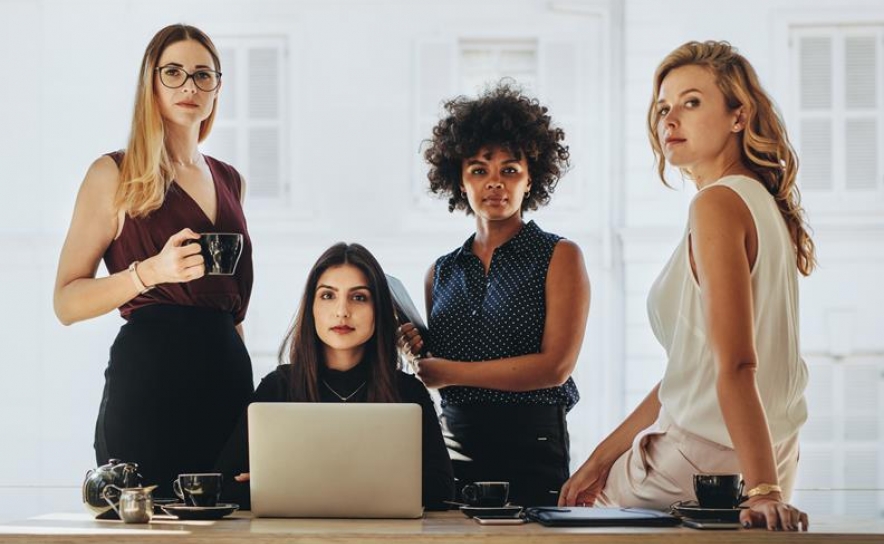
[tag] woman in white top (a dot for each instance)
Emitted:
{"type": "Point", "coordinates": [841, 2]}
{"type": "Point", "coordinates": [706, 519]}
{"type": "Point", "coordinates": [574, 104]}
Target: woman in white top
{"type": "Point", "coordinates": [725, 307]}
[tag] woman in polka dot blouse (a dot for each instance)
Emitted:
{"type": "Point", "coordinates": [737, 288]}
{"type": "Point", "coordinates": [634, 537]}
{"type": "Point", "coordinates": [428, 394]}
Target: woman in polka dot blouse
{"type": "Point", "coordinates": [507, 309]}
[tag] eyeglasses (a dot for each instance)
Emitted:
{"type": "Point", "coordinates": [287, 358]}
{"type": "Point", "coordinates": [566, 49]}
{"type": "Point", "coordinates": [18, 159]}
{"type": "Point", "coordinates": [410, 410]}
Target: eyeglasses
{"type": "Point", "coordinates": [174, 77]}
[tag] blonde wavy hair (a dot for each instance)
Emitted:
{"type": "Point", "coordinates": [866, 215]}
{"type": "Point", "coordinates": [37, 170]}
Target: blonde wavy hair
{"type": "Point", "coordinates": [765, 145]}
{"type": "Point", "coordinates": [147, 170]}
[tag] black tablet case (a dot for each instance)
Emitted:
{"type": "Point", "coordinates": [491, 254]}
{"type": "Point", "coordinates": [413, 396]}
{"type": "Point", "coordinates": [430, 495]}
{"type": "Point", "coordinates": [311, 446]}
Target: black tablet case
{"type": "Point", "coordinates": [579, 516]}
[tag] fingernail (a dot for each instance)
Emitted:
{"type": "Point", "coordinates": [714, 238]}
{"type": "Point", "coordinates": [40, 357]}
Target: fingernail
{"type": "Point", "coordinates": [746, 524]}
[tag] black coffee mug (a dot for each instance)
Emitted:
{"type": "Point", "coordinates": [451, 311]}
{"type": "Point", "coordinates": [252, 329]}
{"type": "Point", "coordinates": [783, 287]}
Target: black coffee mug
{"type": "Point", "coordinates": [486, 494]}
{"type": "Point", "coordinates": [198, 489]}
{"type": "Point", "coordinates": [220, 251]}
{"type": "Point", "coordinates": [720, 491]}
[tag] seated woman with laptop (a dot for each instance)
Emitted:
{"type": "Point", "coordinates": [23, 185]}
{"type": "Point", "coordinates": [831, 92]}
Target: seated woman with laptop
{"type": "Point", "coordinates": [342, 349]}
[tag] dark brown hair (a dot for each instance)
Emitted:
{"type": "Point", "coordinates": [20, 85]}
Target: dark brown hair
{"type": "Point", "coordinates": [303, 349]}
{"type": "Point", "coordinates": [501, 117]}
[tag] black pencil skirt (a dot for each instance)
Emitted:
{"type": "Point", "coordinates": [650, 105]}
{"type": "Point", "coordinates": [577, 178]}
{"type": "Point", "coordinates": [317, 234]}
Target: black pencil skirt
{"type": "Point", "coordinates": [178, 379]}
{"type": "Point", "coordinates": [527, 446]}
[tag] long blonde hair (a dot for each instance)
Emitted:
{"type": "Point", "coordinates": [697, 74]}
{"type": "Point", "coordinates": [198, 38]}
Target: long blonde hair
{"type": "Point", "coordinates": [765, 145]}
{"type": "Point", "coordinates": [146, 170]}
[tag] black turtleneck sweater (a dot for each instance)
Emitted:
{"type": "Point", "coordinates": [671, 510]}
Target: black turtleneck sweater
{"type": "Point", "coordinates": [438, 477]}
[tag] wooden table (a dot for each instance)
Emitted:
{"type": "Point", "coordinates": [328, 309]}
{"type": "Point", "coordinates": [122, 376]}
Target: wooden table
{"type": "Point", "coordinates": [433, 528]}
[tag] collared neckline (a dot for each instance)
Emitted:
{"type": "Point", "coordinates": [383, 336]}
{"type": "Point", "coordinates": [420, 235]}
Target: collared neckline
{"type": "Point", "coordinates": [528, 229]}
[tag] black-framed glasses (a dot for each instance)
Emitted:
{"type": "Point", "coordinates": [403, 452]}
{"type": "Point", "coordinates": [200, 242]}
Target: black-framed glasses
{"type": "Point", "coordinates": [173, 77]}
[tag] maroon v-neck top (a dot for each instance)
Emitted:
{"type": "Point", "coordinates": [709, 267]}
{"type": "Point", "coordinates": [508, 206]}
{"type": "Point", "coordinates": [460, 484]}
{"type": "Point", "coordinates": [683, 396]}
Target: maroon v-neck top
{"type": "Point", "coordinates": [144, 237]}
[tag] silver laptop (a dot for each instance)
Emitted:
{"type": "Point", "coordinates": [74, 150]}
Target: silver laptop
{"type": "Point", "coordinates": [318, 460]}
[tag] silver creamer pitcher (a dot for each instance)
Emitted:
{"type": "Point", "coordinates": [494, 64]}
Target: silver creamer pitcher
{"type": "Point", "coordinates": [135, 503]}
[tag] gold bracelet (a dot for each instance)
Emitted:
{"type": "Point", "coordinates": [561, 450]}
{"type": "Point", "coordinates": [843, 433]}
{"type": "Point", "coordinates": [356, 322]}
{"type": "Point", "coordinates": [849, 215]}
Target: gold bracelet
{"type": "Point", "coordinates": [764, 489]}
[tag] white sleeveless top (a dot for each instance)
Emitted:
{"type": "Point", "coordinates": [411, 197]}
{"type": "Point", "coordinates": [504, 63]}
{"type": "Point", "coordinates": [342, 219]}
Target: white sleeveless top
{"type": "Point", "coordinates": [687, 391]}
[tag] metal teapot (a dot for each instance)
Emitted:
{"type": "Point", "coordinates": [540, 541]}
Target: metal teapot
{"type": "Point", "coordinates": [117, 475]}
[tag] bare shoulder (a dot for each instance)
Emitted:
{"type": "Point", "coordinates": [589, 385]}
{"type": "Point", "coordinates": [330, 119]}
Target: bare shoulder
{"type": "Point", "coordinates": [102, 178]}
{"type": "Point", "coordinates": [717, 207]}
{"type": "Point", "coordinates": [567, 254]}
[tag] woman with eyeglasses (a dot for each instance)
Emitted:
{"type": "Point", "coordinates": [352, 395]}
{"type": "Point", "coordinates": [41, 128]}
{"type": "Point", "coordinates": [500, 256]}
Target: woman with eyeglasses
{"type": "Point", "coordinates": [179, 374]}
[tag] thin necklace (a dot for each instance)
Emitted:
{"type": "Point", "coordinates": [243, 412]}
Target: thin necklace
{"type": "Point", "coordinates": [343, 398]}
{"type": "Point", "coordinates": [191, 162]}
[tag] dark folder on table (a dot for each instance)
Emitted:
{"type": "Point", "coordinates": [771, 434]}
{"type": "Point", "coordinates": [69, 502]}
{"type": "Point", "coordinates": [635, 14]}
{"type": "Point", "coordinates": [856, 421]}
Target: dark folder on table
{"type": "Point", "coordinates": [406, 311]}
{"type": "Point", "coordinates": [579, 516]}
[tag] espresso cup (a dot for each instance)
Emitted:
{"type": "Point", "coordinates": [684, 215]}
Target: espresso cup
{"type": "Point", "coordinates": [220, 251]}
{"type": "Point", "coordinates": [486, 494]}
{"type": "Point", "coordinates": [198, 489]}
{"type": "Point", "coordinates": [720, 491]}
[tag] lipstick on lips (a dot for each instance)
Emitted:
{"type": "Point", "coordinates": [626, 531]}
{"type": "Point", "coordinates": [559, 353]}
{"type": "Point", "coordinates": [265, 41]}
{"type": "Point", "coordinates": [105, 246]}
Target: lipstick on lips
{"type": "Point", "coordinates": [343, 329]}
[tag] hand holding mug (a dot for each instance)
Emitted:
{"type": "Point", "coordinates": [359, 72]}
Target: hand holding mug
{"type": "Point", "coordinates": [178, 262]}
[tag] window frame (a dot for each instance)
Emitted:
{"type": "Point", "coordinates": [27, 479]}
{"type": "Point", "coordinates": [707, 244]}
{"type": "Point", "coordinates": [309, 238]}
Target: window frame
{"type": "Point", "coordinates": [837, 206]}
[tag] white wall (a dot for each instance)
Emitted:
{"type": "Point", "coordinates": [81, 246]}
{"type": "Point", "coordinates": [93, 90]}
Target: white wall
{"type": "Point", "coordinates": [69, 69]}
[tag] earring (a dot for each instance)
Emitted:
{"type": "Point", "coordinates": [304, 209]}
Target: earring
{"type": "Point", "coordinates": [527, 193]}
{"type": "Point", "coordinates": [463, 194]}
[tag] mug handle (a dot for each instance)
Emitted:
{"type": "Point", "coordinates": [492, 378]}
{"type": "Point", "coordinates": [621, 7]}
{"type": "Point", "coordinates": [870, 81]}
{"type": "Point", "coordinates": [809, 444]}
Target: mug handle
{"type": "Point", "coordinates": [176, 487]}
{"type": "Point", "coordinates": [108, 499]}
{"type": "Point", "coordinates": [470, 493]}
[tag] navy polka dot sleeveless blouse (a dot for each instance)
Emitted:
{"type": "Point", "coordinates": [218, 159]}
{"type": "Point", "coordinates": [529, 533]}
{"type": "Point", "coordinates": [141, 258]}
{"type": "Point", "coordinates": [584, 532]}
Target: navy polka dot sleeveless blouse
{"type": "Point", "coordinates": [480, 318]}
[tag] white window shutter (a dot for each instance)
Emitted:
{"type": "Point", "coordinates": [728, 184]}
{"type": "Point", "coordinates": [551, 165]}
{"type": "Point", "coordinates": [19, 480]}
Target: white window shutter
{"type": "Point", "coordinates": [860, 100]}
{"type": "Point", "coordinates": [862, 383]}
{"type": "Point", "coordinates": [816, 170]}
{"type": "Point", "coordinates": [249, 130]}
{"type": "Point", "coordinates": [815, 65]}
{"type": "Point", "coordinates": [840, 114]}
{"type": "Point", "coordinates": [815, 130]}
{"type": "Point", "coordinates": [264, 75]}
{"type": "Point", "coordinates": [860, 62]}
{"type": "Point", "coordinates": [861, 154]}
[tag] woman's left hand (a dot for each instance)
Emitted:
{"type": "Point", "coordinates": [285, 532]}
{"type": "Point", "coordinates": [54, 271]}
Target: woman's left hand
{"type": "Point", "coordinates": [774, 514]}
{"type": "Point", "coordinates": [431, 371]}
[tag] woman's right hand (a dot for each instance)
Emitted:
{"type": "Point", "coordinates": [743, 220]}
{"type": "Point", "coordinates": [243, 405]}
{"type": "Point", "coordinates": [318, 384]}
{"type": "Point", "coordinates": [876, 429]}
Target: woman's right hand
{"type": "Point", "coordinates": [408, 339]}
{"type": "Point", "coordinates": [177, 262]}
{"type": "Point", "coordinates": [243, 477]}
{"type": "Point", "coordinates": [585, 485]}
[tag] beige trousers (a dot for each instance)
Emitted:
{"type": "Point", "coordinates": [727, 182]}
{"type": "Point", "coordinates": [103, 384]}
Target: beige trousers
{"type": "Point", "coordinates": [658, 470]}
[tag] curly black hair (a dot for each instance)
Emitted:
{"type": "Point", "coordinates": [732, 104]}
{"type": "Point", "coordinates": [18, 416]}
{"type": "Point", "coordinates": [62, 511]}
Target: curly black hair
{"type": "Point", "coordinates": [501, 117]}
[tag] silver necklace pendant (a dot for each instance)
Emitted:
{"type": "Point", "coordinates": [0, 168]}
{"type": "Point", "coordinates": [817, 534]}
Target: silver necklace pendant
{"type": "Point", "coordinates": [342, 397]}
